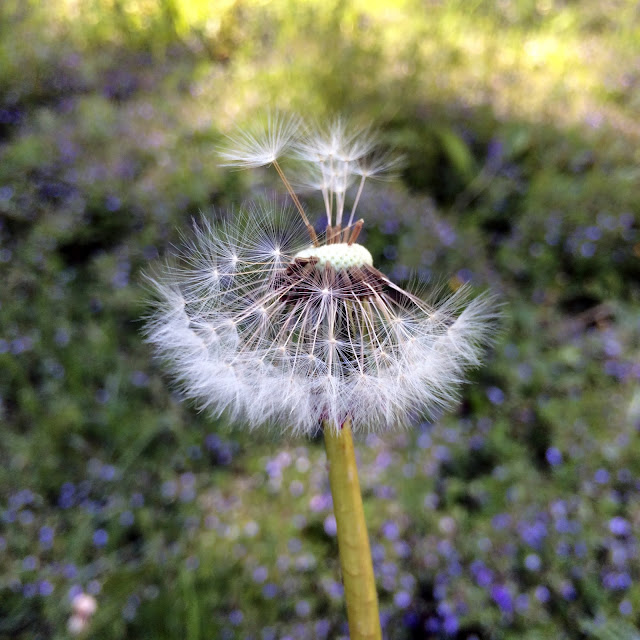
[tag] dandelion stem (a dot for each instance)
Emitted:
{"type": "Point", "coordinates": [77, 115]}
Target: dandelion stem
{"type": "Point", "coordinates": [294, 197]}
{"type": "Point", "coordinates": [353, 540]}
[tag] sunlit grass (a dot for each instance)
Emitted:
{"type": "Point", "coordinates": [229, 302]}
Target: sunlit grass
{"type": "Point", "coordinates": [545, 61]}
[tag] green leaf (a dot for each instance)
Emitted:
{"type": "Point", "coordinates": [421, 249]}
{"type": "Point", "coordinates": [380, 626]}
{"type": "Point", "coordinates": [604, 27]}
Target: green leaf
{"type": "Point", "coordinates": [457, 152]}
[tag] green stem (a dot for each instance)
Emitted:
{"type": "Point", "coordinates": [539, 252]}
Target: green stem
{"type": "Point", "coordinates": [353, 540]}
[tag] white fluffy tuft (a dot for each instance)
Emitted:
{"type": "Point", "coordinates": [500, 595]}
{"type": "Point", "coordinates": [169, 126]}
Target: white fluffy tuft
{"type": "Point", "coordinates": [256, 323]}
{"type": "Point", "coordinates": [240, 338]}
{"type": "Point", "coordinates": [261, 146]}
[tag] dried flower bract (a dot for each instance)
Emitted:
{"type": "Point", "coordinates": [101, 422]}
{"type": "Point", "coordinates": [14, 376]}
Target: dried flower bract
{"type": "Point", "coordinates": [276, 329]}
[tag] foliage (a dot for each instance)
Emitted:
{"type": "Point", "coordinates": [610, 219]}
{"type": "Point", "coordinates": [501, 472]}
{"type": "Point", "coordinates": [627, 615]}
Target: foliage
{"type": "Point", "coordinates": [516, 517]}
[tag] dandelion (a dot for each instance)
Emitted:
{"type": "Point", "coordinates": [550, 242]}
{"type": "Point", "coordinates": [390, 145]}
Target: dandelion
{"type": "Point", "coordinates": [278, 330]}
{"type": "Point", "coordinates": [263, 319]}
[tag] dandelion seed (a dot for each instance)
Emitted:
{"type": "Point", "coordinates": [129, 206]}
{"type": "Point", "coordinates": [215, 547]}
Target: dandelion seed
{"type": "Point", "coordinates": [274, 329]}
{"type": "Point", "coordinates": [263, 146]}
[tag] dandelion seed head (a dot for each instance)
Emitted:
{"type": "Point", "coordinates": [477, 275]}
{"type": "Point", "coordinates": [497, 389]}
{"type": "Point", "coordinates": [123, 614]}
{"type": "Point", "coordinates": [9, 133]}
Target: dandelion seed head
{"type": "Point", "coordinates": [254, 322]}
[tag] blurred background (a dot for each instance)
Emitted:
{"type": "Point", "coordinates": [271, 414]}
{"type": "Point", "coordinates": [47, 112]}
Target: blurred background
{"type": "Point", "coordinates": [516, 516]}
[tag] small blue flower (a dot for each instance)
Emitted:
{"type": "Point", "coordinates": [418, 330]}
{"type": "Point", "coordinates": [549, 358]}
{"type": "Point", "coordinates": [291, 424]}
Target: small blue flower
{"type": "Point", "coordinates": [502, 597]}
{"type": "Point", "coordinates": [260, 574]}
{"type": "Point", "coordinates": [542, 594]}
{"type": "Point", "coordinates": [495, 395]}
{"type": "Point", "coordinates": [46, 537]}
{"type": "Point", "coordinates": [236, 617]}
{"type": "Point", "coordinates": [100, 538]}
{"type": "Point", "coordinates": [269, 591]}
{"type": "Point", "coordinates": [625, 608]}
{"type": "Point", "coordinates": [554, 456]}
{"type": "Point", "coordinates": [522, 602]}
{"type": "Point", "coordinates": [450, 625]}
{"type": "Point", "coordinates": [533, 562]}
{"type": "Point", "coordinates": [619, 526]}
{"type": "Point", "coordinates": [390, 530]}
{"type": "Point", "coordinates": [402, 599]}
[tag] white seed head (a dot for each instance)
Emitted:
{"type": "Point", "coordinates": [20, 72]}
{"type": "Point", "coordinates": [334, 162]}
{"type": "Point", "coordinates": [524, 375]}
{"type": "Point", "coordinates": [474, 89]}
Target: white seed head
{"type": "Point", "coordinates": [340, 256]}
{"type": "Point", "coordinates": [290, 343]}
{"type": "Point", "coordinates": [256, 323]}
